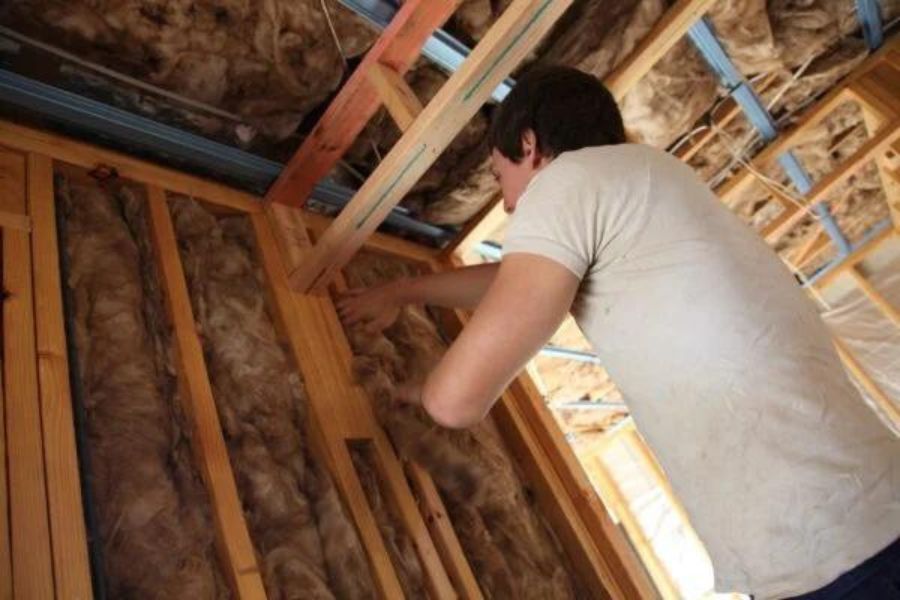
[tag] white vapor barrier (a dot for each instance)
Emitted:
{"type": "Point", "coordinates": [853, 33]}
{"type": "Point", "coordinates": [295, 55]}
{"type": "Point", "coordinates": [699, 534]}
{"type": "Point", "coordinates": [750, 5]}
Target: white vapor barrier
{"type": "Point", "coordinates": [869, 334]}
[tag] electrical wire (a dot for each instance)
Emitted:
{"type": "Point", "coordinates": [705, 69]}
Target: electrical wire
{"type": "Point", "coordinates": [334, 35]}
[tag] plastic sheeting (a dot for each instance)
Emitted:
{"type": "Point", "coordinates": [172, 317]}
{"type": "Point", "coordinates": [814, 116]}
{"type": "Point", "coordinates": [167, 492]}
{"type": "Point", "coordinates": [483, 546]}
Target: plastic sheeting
{"type": "Point", "coordinates": [868, 333]}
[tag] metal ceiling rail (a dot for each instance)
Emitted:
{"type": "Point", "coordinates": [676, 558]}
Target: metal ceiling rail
{"type": "Point", "coordinates": [552, 351]}
{"type": "Point", "coordinates": [704, 38]}
{"type": "Point", "coordinates": [139, 133]}
{"type": "Point", "coordinates": [441, 48]}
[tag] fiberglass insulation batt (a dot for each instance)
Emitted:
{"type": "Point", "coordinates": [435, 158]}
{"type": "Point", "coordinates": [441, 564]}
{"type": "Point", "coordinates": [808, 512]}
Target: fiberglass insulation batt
{"type": "Point", "coordinates": [153, 514]}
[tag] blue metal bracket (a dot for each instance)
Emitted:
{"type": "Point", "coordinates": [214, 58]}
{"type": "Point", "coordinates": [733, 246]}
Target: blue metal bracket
{"type": "Point", "coordinates": [704, 38]}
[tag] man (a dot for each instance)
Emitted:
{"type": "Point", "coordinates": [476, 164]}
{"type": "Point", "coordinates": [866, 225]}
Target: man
{"type": "Point", "coordinates": [787, 475]}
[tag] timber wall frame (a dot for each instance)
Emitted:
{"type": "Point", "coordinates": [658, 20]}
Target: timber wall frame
{"type": "Point", "coordinates": [43, 548]}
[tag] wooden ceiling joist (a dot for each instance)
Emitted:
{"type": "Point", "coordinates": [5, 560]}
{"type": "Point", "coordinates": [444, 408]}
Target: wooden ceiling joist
{"type": "Point", "coordinates": [358, 101]}
{"type": "Point", "coordinates": [665, 34]}
{"type": "Point", "coordinates": [509, 40]}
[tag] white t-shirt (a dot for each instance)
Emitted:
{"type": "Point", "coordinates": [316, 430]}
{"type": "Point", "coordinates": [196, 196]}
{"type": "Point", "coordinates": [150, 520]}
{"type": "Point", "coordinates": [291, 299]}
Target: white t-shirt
{"type": "Point", "coordinates": [787, 475]}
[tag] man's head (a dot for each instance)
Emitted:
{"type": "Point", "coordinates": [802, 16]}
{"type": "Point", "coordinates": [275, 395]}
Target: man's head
{"type": "Point", "coordinates": [551, 110]}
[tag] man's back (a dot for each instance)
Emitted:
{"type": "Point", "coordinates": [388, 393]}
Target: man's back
{"type": "Point", "coordinates": [788, 477]}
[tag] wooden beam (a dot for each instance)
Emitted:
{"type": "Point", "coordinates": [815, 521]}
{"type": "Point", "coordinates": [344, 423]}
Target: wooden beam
{"type": "Point", "coordinates": [855, 257]}
{"type": "Point", "coordinates": [29, 528]}
{"type": "Point", "coordinates": [399, 99]}
{"type": "Point", "coordinates": [812, 248]}
{"type": "Point", "coordinates": [874, 391]}
{"type": "Point", "coordinates": [236, 552]}
{"type": "Point", "coordinates": [356, 103]}
{"type": "Point", "coordinates": [71, 568]}
{"type": "Point", "coordinates": [812, 116]}
{"type": "Point", "coordinates": [442, 532]}
{"type": "Point", "coordinates": [664, 35]}
{"type": "Point", "coordinates": [613, 497]}
{"type": "Point", "coordinates": [785, 140]}
{"type": "Point", "coordinates": [556, 505]}
{"type": "Point", "coordinates": [378, 242]}
{"type": "Point", "coordinates": [879, 105]}
{"type": "Point", "coordinates": [511, 38]}
{"type": "Point", "coordinates": [88, 156]}
{"type": "Point", "coordinates": [621, 565]}
{"type": "Point", "coordinates": [322, 355]}
{"type": "Point", "coordinates": [876, 297]}
{"type": "Point", "coordinates": [874, 146]}
{"type": "Point", "coordinates": [10, 220]}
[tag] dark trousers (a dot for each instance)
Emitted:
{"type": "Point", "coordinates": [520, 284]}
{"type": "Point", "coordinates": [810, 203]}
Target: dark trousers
{"type": "Point", "coordinates": [876, 579]}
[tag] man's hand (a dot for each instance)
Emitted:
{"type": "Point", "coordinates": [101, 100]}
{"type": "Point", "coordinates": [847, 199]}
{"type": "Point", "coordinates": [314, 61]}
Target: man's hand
{"type": "Point", "coordinates": [376, 307]}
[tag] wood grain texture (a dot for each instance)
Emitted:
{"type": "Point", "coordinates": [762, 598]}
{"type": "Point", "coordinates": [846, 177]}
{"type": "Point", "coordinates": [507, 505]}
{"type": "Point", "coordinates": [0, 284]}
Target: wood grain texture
{"type": "Point", "coordinates": [509, 40]}
{"type": "Point", "coordinates": [398, 98]}
{"type": "Point", "coordinates": [236, 552]}
{"type": "Point", "coordinates": [71, 567]}
{"type": "Point", "coordinates": [32, 570]}
{"type": "Point", "coordinates": [27, 139]}
{"type": "Point", "coordinates": [358, 101]}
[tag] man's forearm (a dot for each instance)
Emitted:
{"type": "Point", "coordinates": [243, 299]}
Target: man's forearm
{"type": "Point", "coordinates": [459, 288]}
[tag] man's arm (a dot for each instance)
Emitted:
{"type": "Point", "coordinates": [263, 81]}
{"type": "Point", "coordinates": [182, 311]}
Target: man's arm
{"type": "Point", "coordinates": [528, 299]}
{"type": "Point", "coordinates": [379, 305]}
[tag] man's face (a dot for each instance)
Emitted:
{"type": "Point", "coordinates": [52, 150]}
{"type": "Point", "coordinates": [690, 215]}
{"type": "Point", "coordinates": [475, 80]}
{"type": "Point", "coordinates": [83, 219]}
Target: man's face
{"type": "Point", "coordinates": [513, 178]}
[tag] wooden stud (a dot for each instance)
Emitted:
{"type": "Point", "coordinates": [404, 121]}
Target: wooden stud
{"type": "Point", "coordinates": [10, 220]}
{"type": "Point", "coordinates": [71, 567]}
{"type": "Point", "coordinates": [357, 102]}
{"type": "Point", "coordinates": [856, 257]}
{"type": "Point", "coordinates": [399, 99]}
{"type": "Point", "coordinates": [811, 117]}
{"type": "Point", "coordinates": [442, 532]}
{"type": "Point", "coordinates": [812, 248]}
{"type": "Point", "coordinates": [665, 34]}
{"type": "Point", "coordinates": [235, 549]}
{"type": "Point", "coordinates": [878, 107]}
{"type": "Point", "coordinates": [556, 506]}
{"type": "Point", "coordinates": [322, 354]}
{"type": "Point", "coordinates": [613, 497]}
{"type": "Point", "coordinates": [881, 399]}
{"type": "Point", "coordinates": [511, 38]}
{"type": "Point", "coordinates": [88, 156]}
{"type": "Point", "coordinates": [621, 563]}
{"type": "Point", "coordinates": [378, 242]}
{"type": "Point", "coordinates": [791, 217]}
{"type": "Point", "coordinates": [877, 298]}
{"type": "Point", "coordinates": [29, 528]}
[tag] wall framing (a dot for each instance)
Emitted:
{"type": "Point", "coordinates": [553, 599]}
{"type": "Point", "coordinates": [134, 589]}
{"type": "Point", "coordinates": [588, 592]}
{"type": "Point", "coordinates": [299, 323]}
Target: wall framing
{"type": "Point", "coordinates": [323, 356]}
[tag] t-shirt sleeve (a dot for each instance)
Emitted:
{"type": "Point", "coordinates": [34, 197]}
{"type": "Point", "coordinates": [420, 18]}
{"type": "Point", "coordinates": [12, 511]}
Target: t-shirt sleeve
{"type": "Point", "coordinates": [555, 218]}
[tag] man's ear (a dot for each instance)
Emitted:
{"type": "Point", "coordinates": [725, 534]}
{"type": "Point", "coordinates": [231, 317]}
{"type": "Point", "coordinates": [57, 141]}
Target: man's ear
{"type": "Point", "coordinates": [529, 143]}
{"type": "Point", "coordinates": [530, 150]}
